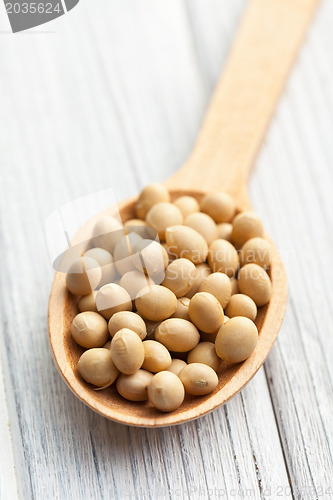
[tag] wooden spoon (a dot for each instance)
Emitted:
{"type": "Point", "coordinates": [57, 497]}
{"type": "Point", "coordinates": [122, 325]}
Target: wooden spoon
{"type": "Point", "coordinates": [265, 47]}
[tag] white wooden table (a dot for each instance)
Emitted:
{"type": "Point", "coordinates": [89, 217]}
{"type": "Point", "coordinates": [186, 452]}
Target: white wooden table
{"type": "Point", "coordinates": [112, 95]}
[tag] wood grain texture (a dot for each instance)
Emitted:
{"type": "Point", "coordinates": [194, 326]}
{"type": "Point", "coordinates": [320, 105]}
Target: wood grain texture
{"type": "Point", "coordinates": [115, 98]}
{"type": "Point", "coordinates": [8, 486]}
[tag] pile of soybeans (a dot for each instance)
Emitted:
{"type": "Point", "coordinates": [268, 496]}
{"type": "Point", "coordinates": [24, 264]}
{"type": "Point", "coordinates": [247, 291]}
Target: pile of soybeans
{"type": "Point", "coordinates": [167, 296]}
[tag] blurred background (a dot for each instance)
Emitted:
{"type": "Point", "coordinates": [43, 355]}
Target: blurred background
{"type": "Point", "coordinates": [112, 95]}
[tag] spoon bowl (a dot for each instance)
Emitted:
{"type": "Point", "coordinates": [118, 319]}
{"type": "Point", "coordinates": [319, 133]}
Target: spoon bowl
{"type": "Point", "coordinates": [266, 45]}
{"type": "Point", "coordinates": [232, 378]}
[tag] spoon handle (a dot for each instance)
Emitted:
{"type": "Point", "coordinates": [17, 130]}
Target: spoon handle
{"type": "Point", "coordinates": [265, 47]}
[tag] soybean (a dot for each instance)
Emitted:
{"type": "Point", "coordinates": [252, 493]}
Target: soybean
{"type": "Point", "coordinates": [163, 215]}
{"type": "Point", "coordinates": [204, 224]}
{"type": "Point", "coordinates": [246, 225]}
{"type": "Point", "coordinates": [125, 257]}
{"type": "Point", "coordinates": [180, 276]}
{"type": "Point", "coordinates": [83, 276]}
{"type": "Point", "coordinates": [187, 205]}
{"type": "Point", "coordinates": [89, 329]}
{"type": "Point", "coordinates": [127, 319]}
{"type": "Point", "coordinates": [223, 257]}
{"type": "Point", "coordinates": [203, 270]}
{"type": "Point", "coordinates": [241, 305]}
{"type": "Point", "coordinates": [112, 298]}
{"type": "Point", "coordinates": [177, 334]}
{"type": "Point", "coordinates": [150, 195]}
{"type": "Point", "coordinates": [176, 366]}
{"type": "Point", "coordinates": [134, 387]}
{"type": "Point", "coordinates": [206, 312]}
{"type": "Point", "coordinates": [256, 251]}
{"type": "Point", "coordinates": [127, 351]}
{"type": "Point", "coordinates": [153, 259]}
{"type": "Point", "coordinates": [204, 353]}
{"type": "Point", "coordinates": [166, 391]}
{"type": "Point", "coordinates": [236, 340]}
{"type": "Point", "coordinates": [156, 303]}
{"type": "Point", "coordinates": [198, 379]}
{"type": "Point", "coordinates": [220, 206]}
{"type": "Point", "coordinates": [186, 242]}
{"type": "Point", "coordinates": [255, 282]}
{"type": "Point", "coordinates": [182, 308]}
{"type": "Point", "coordinates": [105, 260]}
{"type": "Point", "coordinates": [218, 284]}
{"type": "Point", "coordinates": [134, 281]}
{"type": "Point", "coordinates": [157, 357]}
{"type": "Point", "coordinates": [97, 367]}
{"type": "Point", "coordinates": [87, 302]}
{"type": "Point", "coordinates": [107, 232]}
{"type": "Point", "coordinates": [224, 231]}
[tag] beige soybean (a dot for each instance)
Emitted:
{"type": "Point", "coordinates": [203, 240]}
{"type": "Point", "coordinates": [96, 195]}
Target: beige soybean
{"type": "Point", "coordinates": [226, 318]}
{"type": "Point", "coordinates": [134, 282]}
{"type": "Point", "coordinates": [204, 353]}
{"type": "Point", "coordinates": [156, 303]}
{"type": "Point", "coordinates": [166, 391]}
{"type": "Point", "coordinates": [111, 299]}
{"type": "Point", "coordinates": [246, 225]}
{"type": "Point", "coordinates": [224, 231]}
{"type": "Point", "coordinates": [97, 367]}
{"type": "Point", "coordinates": [177, 335]}
{"type": "Point", "coordinates": [87, 302]}
{"type": "Point", "coordinates": [83, 276]}
{"type": "Point", "coordinates": [107, 345]}
{"type": "Point", "coordinates": [241, 305]}
{"type": "Point", "coordinates": [206, 312]}
{"type": "Point", "coordinates": [182, 308]}
{"type": "Point", "coordinates": [203, 270]}
{"type": "Point", "coordinates": [204, 224]}
{"type": "Point", "coordinates": [149, 196]}
{"type": "Point", "coordinates": [198, 379]}
{"type": "Point", "coordinates": [223, 257]}
{"type": "Point", "coordinates": [89, 329]}
{"type": "Point", "coordinates": [107, 232]}
{"type": "Point", "coordinates": [162, 215]}
{"type": "Point", "coordinates": [255, 282]}
{"type": "Point", "coordinates": [256, 251]}
{"type": "Point", "coordinates": [153, 259]}
{"type": "Point", "coordinates": [157, 357]}
{"type": "Point", "coordinates": [125, 257]}
{"type": "Point", "coordinates": [218, 284]}
{"type": "Point", "coordinates": [105, 260]}
{"type": "Point", "coordinates": [220, 206]}
{"type": "Point", "coordinates": [187, 243]}
{"type": "Point", "coordinates": [176, 366]}
{"type": "Point", "coordinates": [137, 226]}
{"type": "Point", "coordinates": [127, 351]}
{"type": "Point", "coordinates": [236, 339]}
{"type": "Point", "coordinates": [180, 276]}
{"type": "Point", "coordinates": [234, 285]}
{"type": "Point", "coordinates": [134, 387]}
{"type": "Point", "coordinates": [187, 205]}
{"type": "Point", "coordinates": [127, 319]}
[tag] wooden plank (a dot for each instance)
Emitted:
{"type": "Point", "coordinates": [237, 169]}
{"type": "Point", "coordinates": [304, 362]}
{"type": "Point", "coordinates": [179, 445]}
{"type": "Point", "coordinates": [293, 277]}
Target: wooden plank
{"type": "Point", "coordinates": [297, 162]}
{"type": "Point", "coordinates": [98, 93]}
{"type": "Point", "coordinates": [8, 486]}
